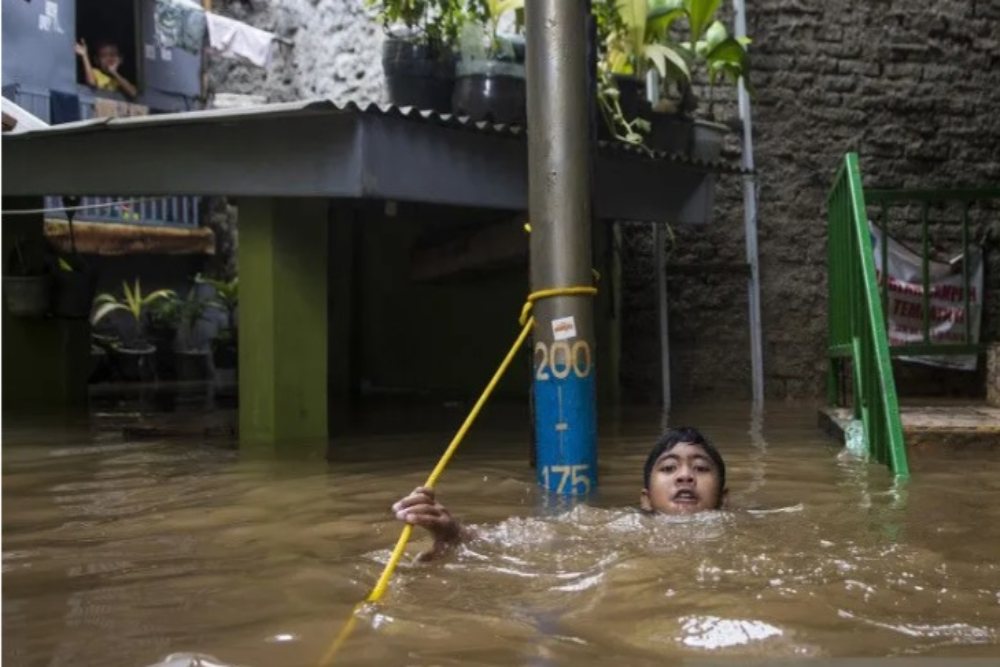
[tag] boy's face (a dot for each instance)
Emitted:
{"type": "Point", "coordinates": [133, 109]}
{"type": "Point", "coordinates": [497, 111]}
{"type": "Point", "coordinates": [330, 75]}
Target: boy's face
{"type": "Point", "coordinates": [108, 57]}
{"type": "Point", "coordinates": [684, 480]}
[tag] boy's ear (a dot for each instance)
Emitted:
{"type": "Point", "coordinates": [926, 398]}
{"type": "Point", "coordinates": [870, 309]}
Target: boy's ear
{"type": "Point", "coordinates": [644, 501]}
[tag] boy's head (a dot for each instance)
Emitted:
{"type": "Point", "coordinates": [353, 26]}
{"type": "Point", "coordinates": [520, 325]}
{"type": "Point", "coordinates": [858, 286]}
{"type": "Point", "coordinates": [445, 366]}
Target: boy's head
{"type": "Point", "coordinates": [108, 55]}
{"type": "Point", "coordinates": [684, 474]}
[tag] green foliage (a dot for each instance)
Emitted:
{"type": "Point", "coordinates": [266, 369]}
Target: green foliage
{"type": "Point", "coordinates": [433, 22]}
{"type": "Point", "coordinates": [226, 299]}
{"type": "Point", "coordinates": [132, 302]}
{"type": "Point", "coordinates": [633, 38]}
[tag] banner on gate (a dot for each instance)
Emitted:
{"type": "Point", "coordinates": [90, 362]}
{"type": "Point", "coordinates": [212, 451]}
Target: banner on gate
{"type": "Point", "coordinates": [905, 307]}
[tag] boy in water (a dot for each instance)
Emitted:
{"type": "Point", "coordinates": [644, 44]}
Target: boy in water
{"type": "Point", "coordinates": [684, 474]}
{"type": "Point", "coordinates": [106, 75]}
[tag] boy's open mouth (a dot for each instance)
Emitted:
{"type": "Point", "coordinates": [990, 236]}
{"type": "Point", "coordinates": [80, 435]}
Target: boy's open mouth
{"type": "Point", "coordinates": [685, 496]}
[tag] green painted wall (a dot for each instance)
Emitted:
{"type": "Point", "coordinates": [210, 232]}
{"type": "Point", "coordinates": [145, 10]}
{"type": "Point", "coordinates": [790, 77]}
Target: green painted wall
{"type": "Point", "coordinates": [283, 319]}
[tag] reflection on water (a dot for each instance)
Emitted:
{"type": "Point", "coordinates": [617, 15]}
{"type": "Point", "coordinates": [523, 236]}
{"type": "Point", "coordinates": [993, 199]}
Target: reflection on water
{"type": "Point", "coordinates": [137, 553]}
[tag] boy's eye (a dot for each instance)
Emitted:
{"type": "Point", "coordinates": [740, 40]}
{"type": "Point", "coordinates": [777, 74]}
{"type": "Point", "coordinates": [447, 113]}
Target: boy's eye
{"type": "Point", "coordinates": [703, 469]}
{"type": "Point", "coordinates": [668, 468]}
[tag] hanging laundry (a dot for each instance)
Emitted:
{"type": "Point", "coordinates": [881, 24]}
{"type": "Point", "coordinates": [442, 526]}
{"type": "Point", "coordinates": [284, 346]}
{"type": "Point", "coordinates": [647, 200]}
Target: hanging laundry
{"type": "Point", "coordinates": [180, 24]}
{"type": "Point", "coordinates": [234, 39]}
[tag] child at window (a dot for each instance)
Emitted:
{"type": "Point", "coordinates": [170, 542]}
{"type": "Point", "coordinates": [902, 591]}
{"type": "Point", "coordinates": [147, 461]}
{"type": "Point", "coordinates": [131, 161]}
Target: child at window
{"type": "Point", "coordinates": [106, 75]}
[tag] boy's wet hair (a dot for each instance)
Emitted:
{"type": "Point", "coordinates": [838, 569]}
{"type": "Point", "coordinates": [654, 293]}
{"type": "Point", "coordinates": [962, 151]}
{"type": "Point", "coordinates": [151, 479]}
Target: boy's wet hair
{"type": "Point", "coordinates": [674, 437]}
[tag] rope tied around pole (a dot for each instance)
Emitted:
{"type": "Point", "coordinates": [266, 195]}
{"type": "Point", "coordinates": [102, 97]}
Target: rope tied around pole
{"type": "Point", "coordinates": [527, 322]}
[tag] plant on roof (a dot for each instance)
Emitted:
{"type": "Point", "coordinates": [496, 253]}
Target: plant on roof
{"type": "Point", "coordinates": [636, 36]}
{"type": "Point", "coordinates": [632, 40]}
{"type": "Point", "coordinates": [709, 47]}
{"type": "Point", "coordinates": [481, 36]}
{"type": "Point", "coordinates": [433, 22]}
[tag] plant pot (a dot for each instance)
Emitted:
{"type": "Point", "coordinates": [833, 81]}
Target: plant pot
{"type": "Point", "coordinates": [27, 296]}
{"type": "Point", "coordinates": [135, 364]}
{"type": "Point", "coordinates": [194, 365]}
{"type": "Point", "coordinates": [490, 90]}
{"type": "Point", "coordinates": [670, 133]}
{"type": "Point", "coordinates": [74, 294]}
{"type": "Point", "coordinates": [107, 342]}
{"type": "Point", "coordinates": [631, 99]}
{"type": "Point", "coordinates": [100, 367]}
{"type": "Point", "coordinates": [417, 75]}
{"type": "Point", "coordinates": [707, 138]}
{"type": "Point", "coordinates": [162, 338]}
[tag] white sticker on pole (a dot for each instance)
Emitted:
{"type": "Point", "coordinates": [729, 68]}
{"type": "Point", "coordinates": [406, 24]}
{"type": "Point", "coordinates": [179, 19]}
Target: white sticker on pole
{"type": "Point", "coordinates": [564, 328]}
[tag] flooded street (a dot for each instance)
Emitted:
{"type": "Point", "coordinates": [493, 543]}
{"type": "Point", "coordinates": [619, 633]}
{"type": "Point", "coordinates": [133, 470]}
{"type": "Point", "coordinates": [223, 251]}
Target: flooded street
{"type": "Point", "coordinates": [122, 553]}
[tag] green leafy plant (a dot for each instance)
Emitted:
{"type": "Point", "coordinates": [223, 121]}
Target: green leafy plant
{"type": "Point", "coordinates": [634, 38]}
{"type": "Point", "coordinates": [226, 298]}
{"type": "Point", "coordinates": [640, 38]}
{"type": "Point", "coordinates": [709, 43]}
{"type": "Point", "coordinates": [433, 22]}
{"type": "Point", "coordinates": [484, 17]}
{"type": "Point", "coordinates": [132, 301]}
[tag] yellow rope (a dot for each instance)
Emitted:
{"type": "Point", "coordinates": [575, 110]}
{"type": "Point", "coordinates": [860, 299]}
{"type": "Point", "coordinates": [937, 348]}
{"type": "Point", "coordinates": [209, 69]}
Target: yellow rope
{"type": "Point", "coordinates": [382, 585]}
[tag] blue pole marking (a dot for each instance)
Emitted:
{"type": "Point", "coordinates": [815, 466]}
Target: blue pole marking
{"type": "Point", "coordinates": [565, 419]}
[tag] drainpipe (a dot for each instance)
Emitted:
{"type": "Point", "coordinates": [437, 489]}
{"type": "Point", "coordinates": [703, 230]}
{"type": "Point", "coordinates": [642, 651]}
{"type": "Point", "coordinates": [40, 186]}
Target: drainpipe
{"type": "Point", "coordinates": [558, 98]}
{"type": "Point", "coordinates": [750, 226]}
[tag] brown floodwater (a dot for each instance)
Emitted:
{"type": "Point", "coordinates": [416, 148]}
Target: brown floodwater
{"type": "Point", "coordinates": [146, 552]}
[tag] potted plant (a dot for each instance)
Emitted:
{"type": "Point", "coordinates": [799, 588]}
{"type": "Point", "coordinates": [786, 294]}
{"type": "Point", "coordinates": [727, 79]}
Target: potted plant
{"type": "Point", "coordinates": [489, 81]}
{"type": "Point", "coordinates": [194, 356]}
{"type": "Point", "coordinates": [134, 354]}
{"type": "Point", "coordinates": [26, 284]}
{"type": "Point", "coordinates": [162, 321]}
{"type": "Point", "coordinates": [724, 58]}
{"type": "Point", "coordinates": [632, 41]}
{"type": "Point", "coordinates": [714, 55]}
{"type": "Point", "coordinates": [417, 56]}
{"type": "Point", "coordinates": [226, 299]}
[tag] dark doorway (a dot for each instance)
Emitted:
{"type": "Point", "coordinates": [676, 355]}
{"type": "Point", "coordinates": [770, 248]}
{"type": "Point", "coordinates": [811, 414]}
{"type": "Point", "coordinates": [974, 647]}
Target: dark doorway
{"type": "Point", "coordinates": [110, 22]}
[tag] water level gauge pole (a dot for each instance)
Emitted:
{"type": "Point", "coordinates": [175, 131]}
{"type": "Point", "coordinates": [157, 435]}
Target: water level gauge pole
{"type": "Point", "coordinates": [559, 207]}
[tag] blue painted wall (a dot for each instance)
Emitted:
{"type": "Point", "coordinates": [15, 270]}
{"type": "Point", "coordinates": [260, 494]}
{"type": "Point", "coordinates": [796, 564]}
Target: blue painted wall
{"type": "Point", "coordinates": [38, 57]}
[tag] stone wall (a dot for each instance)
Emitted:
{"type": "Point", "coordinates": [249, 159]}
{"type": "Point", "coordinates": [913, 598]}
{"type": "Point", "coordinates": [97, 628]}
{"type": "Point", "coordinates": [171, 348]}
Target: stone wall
{"type": "Point", "coordinates": [911, 85]}
{"type": "Point", "coordinates": [336, 51]}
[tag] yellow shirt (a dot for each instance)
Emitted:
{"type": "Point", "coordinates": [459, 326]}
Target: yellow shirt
{"type": "Point", "coordinates": [104, 82]}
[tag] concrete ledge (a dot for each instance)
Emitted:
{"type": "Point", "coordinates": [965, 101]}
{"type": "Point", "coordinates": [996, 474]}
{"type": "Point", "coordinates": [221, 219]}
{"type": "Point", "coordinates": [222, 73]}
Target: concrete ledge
{"type": "Point", "coordinates": [933, 428]}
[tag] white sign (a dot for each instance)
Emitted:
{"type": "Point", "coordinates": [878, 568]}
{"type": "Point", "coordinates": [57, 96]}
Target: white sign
{"type": "Point", "coordinates": [905, 308]}
{"type": "Point", "coordinates": [564, 328]}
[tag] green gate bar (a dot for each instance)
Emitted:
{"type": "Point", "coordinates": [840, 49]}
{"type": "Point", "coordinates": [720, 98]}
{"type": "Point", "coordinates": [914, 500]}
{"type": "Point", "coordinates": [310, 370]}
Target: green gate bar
{"type": "Point", "coordinates": [856, 321]}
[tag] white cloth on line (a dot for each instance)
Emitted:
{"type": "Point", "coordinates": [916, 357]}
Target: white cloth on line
{"type": "Point", "coordinates": [235, 39]}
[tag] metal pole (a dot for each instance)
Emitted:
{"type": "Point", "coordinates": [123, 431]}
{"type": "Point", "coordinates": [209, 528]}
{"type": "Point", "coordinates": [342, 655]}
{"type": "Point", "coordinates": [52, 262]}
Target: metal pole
{"type": "Point", "coordinates": [750, 226]}
{"type": "Point", "coordinates": [662, 307]}
{"type": "Point", "coordinates": [559, 207]}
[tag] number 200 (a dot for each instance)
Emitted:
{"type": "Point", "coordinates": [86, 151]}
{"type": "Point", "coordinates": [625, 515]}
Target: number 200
{"type": "Point", "coordinates": [561, 358]}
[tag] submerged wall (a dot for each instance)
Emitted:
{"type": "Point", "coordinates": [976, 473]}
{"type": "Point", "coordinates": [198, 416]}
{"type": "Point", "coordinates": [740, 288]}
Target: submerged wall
{"type": "Point", "coordinates": [913, 87]}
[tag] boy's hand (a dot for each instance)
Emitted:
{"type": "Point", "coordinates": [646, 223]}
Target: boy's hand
{"type": "Point", "coordinates": [113, 65]}
{"type": "Point", "coordinates": [421, 509]}
{"type": "Point", "coordinates": [81, 48]}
